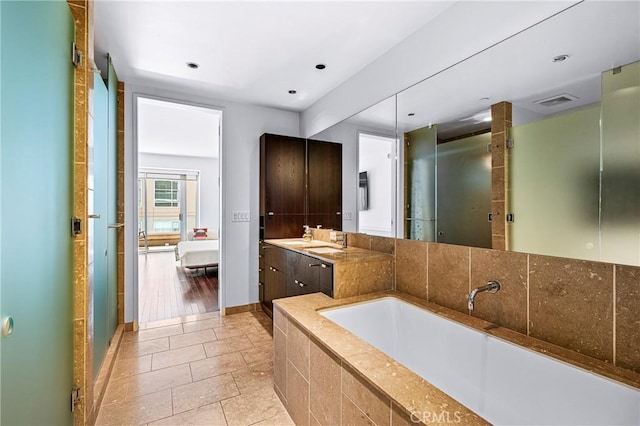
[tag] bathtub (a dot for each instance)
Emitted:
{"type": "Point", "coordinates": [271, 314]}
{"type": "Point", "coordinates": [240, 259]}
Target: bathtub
{"type": "Point", "coordinates": [502, 382]}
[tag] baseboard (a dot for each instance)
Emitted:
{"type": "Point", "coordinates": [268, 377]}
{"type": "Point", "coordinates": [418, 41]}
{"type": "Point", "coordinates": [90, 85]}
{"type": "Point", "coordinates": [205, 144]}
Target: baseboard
{"type": "Point", "coordinates": [251, 307]}
{"type": "Point", "coordinates": [100, 386]}
{"type": "Point", "coordinates": [129, 326]}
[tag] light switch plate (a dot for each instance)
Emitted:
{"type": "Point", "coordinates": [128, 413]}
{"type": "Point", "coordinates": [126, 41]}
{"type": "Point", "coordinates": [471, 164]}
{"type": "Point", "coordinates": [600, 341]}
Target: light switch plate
{"type": "Point", "coordinates": [241, 216]}
{"type": "Point", "coordinates": [347, 216]}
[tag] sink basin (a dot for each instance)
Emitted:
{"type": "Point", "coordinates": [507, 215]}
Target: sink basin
{"type": "Point", "coordinates": [325, 250]}
{"type": "Point", "coordinates": [304, 243]}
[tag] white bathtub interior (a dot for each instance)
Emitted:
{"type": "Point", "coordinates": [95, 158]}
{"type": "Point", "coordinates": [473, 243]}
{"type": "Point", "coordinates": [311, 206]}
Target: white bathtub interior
{"type": "Point", "coordinates": [502, 382]}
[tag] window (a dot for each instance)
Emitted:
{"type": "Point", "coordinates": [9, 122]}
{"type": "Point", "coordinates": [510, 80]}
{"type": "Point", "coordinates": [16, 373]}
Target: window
{"type": "Point", "coordinates": [166, 193]}
{"type": "Point", "coordinates": [160, 226]}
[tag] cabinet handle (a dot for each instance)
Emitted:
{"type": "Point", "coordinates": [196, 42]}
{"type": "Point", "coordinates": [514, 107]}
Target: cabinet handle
{"type": "Point", "coordinates": [270, 213]}
{"type": "Point", "coordinates": [259, 269]}
{"type": "Point", "coordinates": [301, 284]}
{"type": "Point", "coordinates": [323, 266]}
{"type": "Point", "coordinates": [311, 265]}
{"type": "Point", "coordinates": [338, 213]}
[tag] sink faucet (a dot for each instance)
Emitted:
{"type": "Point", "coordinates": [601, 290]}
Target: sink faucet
{"type": "Point", "coordinates": [491, 287]}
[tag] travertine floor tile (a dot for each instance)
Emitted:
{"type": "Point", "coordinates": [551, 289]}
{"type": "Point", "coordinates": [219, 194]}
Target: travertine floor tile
{"type": "Point", "coordinates": [154, 381]}
{"type": "Point", "coordinates": [191, 339]}
{"type": "Point", "coordinates": [224, 346]}
{"type": "Point", "coordinates": [235, 330]}
{"type": "Point", "coordinates": [203, 392]}
{"type": "Point", "coordinates": [125, 367]}
{"type": "Point", "coordinates": [190, 327]}
{"type": "Point", "coordinates": [253, 378]}
{"type": "Point", "coordinates": [247, 409]}
{"type": "Point", "coordinates": [207, 415]}
{"type": "Point", "coordinates": [136, 411]}
{"type": "Point", "coordinates": [134, 349]}
{"type": "Point", "coordinates": [260, 337]}
{"type": "Point", "coordinates": [258, 355]}
{"type": "Point", "coordinates": [153, 333]}
{"type": "Point", "coordinates": [217, 365]}
{"type": "Point", "coordinates": [177, 356]}
{"type": "Point", "coordinates": [186, 371]}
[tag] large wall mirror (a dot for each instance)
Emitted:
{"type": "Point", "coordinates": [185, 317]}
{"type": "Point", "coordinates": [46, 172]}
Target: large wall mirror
{"type": "Point", "coordinates": [570, 179]}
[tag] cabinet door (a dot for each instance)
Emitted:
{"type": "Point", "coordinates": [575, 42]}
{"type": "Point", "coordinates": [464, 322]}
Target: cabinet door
{"type": "Point", "coordinates": [283, 226]}
{"type": "Point", "coordinates": [274, 286]}
{"type": "Point", "coordinates": [325, 184]}
{"type": "Point", "coordinates": [282, 175]}
{"type": "Point", "coordinates": [325, 279]}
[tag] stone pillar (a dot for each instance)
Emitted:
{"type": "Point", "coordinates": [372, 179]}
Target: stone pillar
{"type": "Point", "coordinates": [500, 125]}
{"type": "Point", "coordinates": [81, 11]}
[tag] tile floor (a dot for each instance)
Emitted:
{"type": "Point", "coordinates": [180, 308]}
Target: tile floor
{"type": "Point", "coordinates": [199, 370]}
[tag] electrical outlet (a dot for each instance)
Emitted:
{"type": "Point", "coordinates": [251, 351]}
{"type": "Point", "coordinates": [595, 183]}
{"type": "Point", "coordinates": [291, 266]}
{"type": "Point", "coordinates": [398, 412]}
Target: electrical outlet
{"type": "Point", "coordinates": [241, 216]}
{"type": "Point", "coordinates": [347, 216]}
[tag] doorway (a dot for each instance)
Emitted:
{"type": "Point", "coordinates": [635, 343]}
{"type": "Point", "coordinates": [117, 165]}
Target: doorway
{"type": "Point", "coordinates": [376, 184]}
{"type": "Point", "coordinates": [178, 208]}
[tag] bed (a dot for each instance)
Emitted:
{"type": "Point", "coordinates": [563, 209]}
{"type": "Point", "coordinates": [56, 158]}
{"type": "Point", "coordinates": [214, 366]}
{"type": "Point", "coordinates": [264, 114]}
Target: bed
{"type": "Point", "coordinates": [198, 253]}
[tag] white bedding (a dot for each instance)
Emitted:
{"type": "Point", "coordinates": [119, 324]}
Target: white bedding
{"type": "Point", "coordinates": [197, 254]}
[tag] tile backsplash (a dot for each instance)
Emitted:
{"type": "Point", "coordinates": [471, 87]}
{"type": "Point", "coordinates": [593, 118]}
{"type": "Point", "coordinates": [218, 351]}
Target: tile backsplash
{"type": "Point", "coordinates": [589, 307]}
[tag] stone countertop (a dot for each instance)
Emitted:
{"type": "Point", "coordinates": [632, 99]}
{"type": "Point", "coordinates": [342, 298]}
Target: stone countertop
{"type": "Point", "coordinates": [345, 255]}
{"type": "Point", "coordinates": [401, 384]}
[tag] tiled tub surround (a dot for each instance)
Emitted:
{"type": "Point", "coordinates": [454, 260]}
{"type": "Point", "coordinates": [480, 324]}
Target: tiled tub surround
{"type": "Point", "coordinates": [502, 382]}
{"type": "Point", "coordinates": [326, 375]}
{"type": "Point", "coordinates": [592, 308]}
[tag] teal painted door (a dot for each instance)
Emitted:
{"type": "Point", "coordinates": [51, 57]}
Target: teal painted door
{"type": "Point", "coordinates": [105, 139]}
{"type": "Point", "coordinates": [99, 194]}
{"type": "Point", "coordinates": [36, 191]}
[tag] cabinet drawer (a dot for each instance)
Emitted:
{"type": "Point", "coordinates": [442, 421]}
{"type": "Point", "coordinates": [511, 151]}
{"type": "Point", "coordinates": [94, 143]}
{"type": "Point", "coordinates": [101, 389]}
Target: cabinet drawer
{"type": "Point", "coordinates": [275, 257]}
{"type": "Point", "coordinates": [296, 287]}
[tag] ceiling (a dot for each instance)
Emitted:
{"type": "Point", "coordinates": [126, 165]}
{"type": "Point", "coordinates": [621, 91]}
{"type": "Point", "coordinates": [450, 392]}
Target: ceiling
{"type": "Point", "coordinates": [169, 128]}
{"type": "Point", "coordinates": [597, 36]}
{"type": "Point", "coordinates": [252, 51]}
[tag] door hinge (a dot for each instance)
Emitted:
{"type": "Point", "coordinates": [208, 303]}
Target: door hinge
{"type": "Point", "coordinates": [75, 397]}
{"type": "Point", "coordinates": [76, 56]}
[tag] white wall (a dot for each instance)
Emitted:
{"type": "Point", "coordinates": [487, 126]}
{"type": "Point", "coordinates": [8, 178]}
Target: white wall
{"type": "Point", "coordinates": [459, 32]}
{"type": "Point", "coordinates": [374, 157]}
{"type": "Point", "coordinates": [209, 172]}
{"type": "Point", "coordinates": [346, 133]}
{"type": "Point", "coordinates": [242, 126]}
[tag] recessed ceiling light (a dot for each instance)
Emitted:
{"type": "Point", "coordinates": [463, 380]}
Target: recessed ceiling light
{"type": "Point", "coordinates": [411, 114]}
{"type": "Point", "coordinates": [292, 92]}
{"type": "Point", "coordinates": [560, 58]}
{"type": "Point", "coordinates": [193, 65]}
{"type": "Point", "coordinates": [321, 66]}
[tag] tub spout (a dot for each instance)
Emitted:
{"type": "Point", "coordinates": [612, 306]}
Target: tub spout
{"type": "Point", "coordinates": [491, 287]}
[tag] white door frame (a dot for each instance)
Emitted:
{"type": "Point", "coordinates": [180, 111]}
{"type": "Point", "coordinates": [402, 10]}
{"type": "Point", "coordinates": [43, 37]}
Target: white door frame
{"type": "Point", "coordinates": [131, 205]}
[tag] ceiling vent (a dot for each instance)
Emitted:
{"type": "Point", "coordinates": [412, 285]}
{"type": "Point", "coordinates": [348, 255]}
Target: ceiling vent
{"type": "Point", "coordinates": [556, 100]}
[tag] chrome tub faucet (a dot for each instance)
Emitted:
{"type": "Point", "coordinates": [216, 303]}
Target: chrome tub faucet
{"type": "Point", "coordinates": [490, 287]}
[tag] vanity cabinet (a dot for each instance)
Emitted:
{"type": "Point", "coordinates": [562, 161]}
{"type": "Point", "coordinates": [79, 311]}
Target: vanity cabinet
{"type": "Point", "coordinates": [285, 273]}
{"type": "Point", "coordinates": [306, 274]}
{"type": "Point", "coordinates": [275, 276]}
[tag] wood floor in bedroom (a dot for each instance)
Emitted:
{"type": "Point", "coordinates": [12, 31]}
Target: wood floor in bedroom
{"type": "Point", "coordinates": [167, 290]}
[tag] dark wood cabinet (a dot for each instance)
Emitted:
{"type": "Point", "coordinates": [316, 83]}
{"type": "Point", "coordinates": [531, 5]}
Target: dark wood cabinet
{"type": "Point", "coordinates": [307, 274]}
{"type": "Point", "coordinates": [275, 276]}
{"type": "Point", "coordinates": [300, 184]}
{"type": "Point", "coordinates": [282, 183]}
{"type": "Point", "coordinates": [324, 184]}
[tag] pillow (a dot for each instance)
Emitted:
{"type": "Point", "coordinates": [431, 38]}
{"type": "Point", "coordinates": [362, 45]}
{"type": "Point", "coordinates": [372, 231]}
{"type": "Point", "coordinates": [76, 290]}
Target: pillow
{"type": "Point", "coordinates": [200, 232]}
